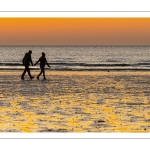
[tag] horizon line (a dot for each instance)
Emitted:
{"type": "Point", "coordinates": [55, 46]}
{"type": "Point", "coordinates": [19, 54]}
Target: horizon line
{"type": "Point", "coordinates": [74, 45]}
{"type": "Point", "coordinates": [75, 11]}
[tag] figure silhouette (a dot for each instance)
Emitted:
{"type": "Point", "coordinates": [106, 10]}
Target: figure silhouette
{"type": "Point", "coordinates": [42, 61]}
{"type": "Point", "coordinates": [26, 62]}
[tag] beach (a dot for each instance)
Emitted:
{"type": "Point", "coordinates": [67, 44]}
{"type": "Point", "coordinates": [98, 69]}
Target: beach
{"type": "Point", "coordinates": [75, 101]}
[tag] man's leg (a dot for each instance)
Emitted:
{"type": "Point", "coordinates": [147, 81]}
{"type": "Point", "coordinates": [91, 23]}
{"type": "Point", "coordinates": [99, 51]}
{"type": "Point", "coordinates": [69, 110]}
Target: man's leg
{"type": "Point", "coordinates": [29, 72]}
{"type": "Point", "coordinates": [24, 72]}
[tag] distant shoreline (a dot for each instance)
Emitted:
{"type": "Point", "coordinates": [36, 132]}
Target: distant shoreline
{"type": "Point", "coordinates": [78, 70]}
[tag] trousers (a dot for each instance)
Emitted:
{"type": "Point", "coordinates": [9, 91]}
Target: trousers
{"type": "Point", "coordinates": [27, 69]}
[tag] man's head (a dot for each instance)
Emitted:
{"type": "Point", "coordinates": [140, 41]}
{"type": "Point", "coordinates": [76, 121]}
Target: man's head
{"type": "Point", "coordinates": [30, 52]}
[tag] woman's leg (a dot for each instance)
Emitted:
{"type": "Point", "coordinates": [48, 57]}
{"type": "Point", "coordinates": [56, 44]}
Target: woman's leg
{"type": "Point", "coordinates": [43, 70]}
{"type": "Point", "coordinates": [39, 73]}
{"type": "Point", "coordinates": [44, 74]}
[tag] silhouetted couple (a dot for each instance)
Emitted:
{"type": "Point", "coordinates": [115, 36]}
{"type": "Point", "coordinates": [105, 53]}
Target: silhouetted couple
{"type": "Point", "coordinates": [27, 60]}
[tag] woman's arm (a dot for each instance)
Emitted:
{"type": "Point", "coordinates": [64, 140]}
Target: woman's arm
{"type": "Point", "coordinates": [47, 63]}
{"type": "Point", "coordinates": [36, 62]}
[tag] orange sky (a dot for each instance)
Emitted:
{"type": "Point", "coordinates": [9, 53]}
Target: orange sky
{"type": "Point", "coordinates": [74, 31]}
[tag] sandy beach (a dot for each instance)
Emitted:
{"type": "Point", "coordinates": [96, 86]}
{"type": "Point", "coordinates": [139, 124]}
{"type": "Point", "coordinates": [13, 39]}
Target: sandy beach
{"type": "Point", "coordinates": [71, 101]}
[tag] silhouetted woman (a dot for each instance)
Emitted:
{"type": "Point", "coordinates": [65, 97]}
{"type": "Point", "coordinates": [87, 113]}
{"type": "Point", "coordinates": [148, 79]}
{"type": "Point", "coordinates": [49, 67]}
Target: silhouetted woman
{"type": "Point", "coordinates": [42, 61]}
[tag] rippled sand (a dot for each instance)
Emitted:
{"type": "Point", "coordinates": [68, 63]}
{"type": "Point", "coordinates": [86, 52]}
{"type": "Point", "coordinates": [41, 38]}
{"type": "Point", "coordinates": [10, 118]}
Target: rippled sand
{"type": "Point", "coordinates": [75, 102]}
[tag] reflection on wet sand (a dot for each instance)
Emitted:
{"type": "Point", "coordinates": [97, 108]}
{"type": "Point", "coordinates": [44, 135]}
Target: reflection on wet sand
{"type": "Point", "coordinates": [75, 102]}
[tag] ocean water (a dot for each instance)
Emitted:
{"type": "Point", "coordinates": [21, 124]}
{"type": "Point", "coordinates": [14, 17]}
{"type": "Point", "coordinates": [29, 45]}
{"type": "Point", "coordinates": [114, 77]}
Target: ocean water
{"type": "Point", "coordinates": [79, 57]}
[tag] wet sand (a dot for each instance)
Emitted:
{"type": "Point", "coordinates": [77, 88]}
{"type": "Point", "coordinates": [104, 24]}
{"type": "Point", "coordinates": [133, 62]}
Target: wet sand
{"type": "Point", "coordinates": [71, 101]}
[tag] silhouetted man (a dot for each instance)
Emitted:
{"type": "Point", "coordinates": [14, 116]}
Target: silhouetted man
{"type": "Point", "coordinates": [26, 62]}
{"type": "Point", "coordinates": [42, 61]}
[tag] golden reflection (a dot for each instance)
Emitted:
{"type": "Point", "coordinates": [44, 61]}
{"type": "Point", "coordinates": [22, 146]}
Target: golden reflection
{"type": "Point", "coordinates": [76, 102]}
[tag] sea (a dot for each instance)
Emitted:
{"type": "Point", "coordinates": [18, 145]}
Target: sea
{"type": "Point", "coordinates": [80, 58]}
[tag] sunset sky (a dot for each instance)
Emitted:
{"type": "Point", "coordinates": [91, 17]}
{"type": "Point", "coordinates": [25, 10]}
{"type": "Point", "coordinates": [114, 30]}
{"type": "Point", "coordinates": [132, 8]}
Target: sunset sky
{"type": "Point", "coordinates": [74, 31]}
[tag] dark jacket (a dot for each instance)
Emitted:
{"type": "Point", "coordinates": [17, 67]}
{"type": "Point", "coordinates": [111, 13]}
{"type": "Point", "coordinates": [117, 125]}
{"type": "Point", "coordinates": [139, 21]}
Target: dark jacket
{"type": "Point", "coordinates": [27, 60]}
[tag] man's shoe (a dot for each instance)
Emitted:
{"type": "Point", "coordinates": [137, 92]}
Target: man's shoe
{"type": "Point", "coordinates": [44, 78]}
{"type": "Point", "coordinates": [22, 78]}
{"type": "Point", "coordinates": [32, 78]}
{"type": "Point", "coordinates": [37, 78]}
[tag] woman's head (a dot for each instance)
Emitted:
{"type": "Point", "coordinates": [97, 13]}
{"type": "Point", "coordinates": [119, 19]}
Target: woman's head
{"type": "Point", "coordinates": [43, 54]}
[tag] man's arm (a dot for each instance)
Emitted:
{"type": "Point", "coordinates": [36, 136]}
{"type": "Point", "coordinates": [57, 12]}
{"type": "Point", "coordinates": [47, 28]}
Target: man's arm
{"type": "Point", "coordinates": [31, 60]}
{"type": "Point", "coordinates": [23, 61]}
